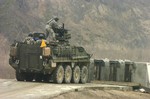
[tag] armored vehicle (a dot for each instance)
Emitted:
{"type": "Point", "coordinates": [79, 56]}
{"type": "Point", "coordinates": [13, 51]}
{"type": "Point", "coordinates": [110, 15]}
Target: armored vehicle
{"type": "Point", "coordinates": [42, 60]}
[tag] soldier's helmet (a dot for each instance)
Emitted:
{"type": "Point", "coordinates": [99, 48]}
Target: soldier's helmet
{"type": "Point", "coordinates": [56, 18]}
{"type": "Point", "coordinates": [30, 35]}
{"type": "Point", "coordinates": [41, 36]}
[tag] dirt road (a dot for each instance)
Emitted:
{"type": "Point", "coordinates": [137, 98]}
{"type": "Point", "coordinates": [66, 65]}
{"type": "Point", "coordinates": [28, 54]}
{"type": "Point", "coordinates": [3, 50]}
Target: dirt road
{"type": "Point", "coordinates": [24, 90]}
{"type": "Point", "coordinates": [103, 94]}
{"type": "Point", "coordinates": [12, 89]}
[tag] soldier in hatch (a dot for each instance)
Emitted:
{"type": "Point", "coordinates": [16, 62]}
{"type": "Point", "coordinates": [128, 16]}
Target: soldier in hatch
{"type": "Point", "coordinates": [41, 37]}
{"type": "Point", "coordinates": [29, 39]}
{"type": "Point", "coordinates": [51, 28]}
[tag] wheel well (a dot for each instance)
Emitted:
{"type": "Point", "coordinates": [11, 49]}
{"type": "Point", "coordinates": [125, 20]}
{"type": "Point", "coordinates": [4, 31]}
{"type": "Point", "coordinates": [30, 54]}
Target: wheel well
{"type": "Point", "coordinates": [82, 64]}
{"type": "Point", "coordinates": [63, 64]}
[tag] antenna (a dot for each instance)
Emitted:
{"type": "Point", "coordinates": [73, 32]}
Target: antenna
{"type": "Point", "coordinates": [57, 11]}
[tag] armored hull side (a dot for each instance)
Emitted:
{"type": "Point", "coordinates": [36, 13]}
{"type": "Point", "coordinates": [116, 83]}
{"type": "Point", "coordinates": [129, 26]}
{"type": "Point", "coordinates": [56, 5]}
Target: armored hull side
{"type": "Point", "coordinates": [60, 63]}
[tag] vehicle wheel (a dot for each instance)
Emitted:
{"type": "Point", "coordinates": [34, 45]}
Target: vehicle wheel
{"type": "Point", "coordinates": [20, 76]}
{"type": "Point", "coordinates": [38, 77]}
{"type": "Point", "coordinates": [84, 74]}
{"type": "Point", "coordinates": [68, 74]}
{"type": "Point", "coordinates": [29, 77]}
{"type": "Point", "coordinates": [76, 74]}
{"type": "Point", "coordinates": [59, 74]}
{"type": "Point", "coordinates": [46, 78]}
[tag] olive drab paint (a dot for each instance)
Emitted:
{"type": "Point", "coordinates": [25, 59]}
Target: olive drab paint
{"type": "Point", "coordinates": [44, 60]}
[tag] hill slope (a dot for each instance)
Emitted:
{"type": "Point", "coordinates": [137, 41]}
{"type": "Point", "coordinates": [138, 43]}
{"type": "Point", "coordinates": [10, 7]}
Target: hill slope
{"type": "Point", "coordinates": [106, 28]}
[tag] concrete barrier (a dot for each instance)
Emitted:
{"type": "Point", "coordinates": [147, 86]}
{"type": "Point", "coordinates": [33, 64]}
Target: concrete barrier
{"type": "Point", "coordinates": [129, 67]}
{"type": "Point", "coordinates": [109, 70]}
{"type": "Point", "coordinates": [102, 69]}
{"type": "Point", "coordinates": [141, 73]}
{"type": "Point", "coordinates": [120, 71]}
{"type": "Point", "coordinates": [113, 70]}
{"type": "Point", "coordinates": [91, 73]}
{"type": "Point", "coordinates": [114, 67]}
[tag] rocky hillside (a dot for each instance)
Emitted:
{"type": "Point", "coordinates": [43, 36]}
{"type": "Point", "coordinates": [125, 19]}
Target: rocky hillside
{"type": "Point", "coordinates": [118, 29]}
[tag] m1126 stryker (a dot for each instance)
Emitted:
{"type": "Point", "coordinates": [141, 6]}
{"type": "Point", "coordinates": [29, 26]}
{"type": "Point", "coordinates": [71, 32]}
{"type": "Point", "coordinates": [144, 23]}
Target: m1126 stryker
{"type": "Point", "coordinates": [40, 60]}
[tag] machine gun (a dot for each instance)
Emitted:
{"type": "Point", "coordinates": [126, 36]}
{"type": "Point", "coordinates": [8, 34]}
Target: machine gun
{"type": "Point", "coordinates": [62, 34]}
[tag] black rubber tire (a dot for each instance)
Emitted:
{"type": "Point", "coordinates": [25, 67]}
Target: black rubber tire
{"type": "Point", "coordinates": [29, 77]}
{"type": "Point", "coordinates": [59, 74]}
{"type": "Point", "coordinates": [38, 77]}
{"type": "Point", "coordinates": [46, 78]}
{"type": "Point", "coordinates": [20, 76]}
{"type": "Point", "coordinates": [68, 74]}
{"type": "Point", "coordinates": [84, 75]}
{"type": "Point", "coordinates": [76, 74]}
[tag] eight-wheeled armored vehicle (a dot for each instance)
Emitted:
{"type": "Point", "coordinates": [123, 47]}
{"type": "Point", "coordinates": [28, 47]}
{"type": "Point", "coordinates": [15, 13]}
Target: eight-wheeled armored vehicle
{"type": "Point", "coordinates": [42, 60]}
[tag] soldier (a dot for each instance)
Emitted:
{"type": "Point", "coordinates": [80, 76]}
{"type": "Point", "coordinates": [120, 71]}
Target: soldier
{"type": "Point", "coordinates": [41, 37]}
{"type": "Point", "coordinates": [51, 28]}
{"type": "Point", "coordinates": [29, 39]}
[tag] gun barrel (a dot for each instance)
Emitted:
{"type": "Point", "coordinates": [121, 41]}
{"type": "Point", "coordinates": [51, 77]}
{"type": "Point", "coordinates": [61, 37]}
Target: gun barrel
{"type": "Point", "coordinates": [63, 26]}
